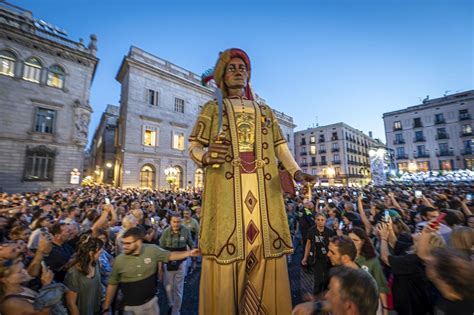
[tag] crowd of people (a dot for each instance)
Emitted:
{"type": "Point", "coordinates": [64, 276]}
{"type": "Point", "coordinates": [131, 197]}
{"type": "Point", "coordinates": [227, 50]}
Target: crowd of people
{"type": "Point", "coordinates": [103, 250]}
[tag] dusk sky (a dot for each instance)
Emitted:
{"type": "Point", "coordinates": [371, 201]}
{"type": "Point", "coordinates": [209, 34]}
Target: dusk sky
{"type": "Point", "coordinates": [317, 61]}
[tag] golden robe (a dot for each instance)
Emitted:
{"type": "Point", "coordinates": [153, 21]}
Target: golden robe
{"type": "Point", "coordinates": [244, 234]}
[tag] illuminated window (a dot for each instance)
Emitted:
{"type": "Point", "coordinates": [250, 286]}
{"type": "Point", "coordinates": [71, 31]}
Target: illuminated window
{"type": "Point", "coordinates": [7, 63]}
{"type": "Point", "coordinates": [423, 166]}
{"type": "Point", "coordinates": [44, 121]}
{"type": "Point", "coordinates": [397, 125]}
{"type": "Point", "coordinates": [32, 70]}
{"type": "Point", "coordinates": [312, 139]}
{"type": "Point", "coordinates": [178, 140]}
{"type": "Point", "coordinates": [150, 136]}
{"type": "Point", "coordinates": [56, 76]}
{"type": "Point", "coordinates": [312, 149]}
{"type": "Point", "coordinates": [403, 167]}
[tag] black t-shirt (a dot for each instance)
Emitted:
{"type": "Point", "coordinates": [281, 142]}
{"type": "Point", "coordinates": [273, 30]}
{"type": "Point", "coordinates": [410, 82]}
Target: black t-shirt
{"type": "Point", "coordinates": [446, 307]}
{"type": "Point", "coordinates": [320, 241]}
{"type": "Point", "coordinates": [57, 260]}
{"type": "Point", "coordinates": [411, 289]}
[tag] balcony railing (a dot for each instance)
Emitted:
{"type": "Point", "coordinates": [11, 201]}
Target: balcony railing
{"type": "Point", "coordinates": [322, 151]}
{"type": "Point", "coordinates": [420, 155]}
{"type": "Point", "coordinates": [304, 164]}
{"type": "Point", "coordinates": [323, 163]}
{"type": "Point", "coordinates": [441, 136]}
{"type": "Point", "coordinates": [439, 121]}
{"type": "Point", "coordinates": [335, 150]}
{"type": "Point", "coordinates": [417, 125]}
{"type": "Point", "coordinates": [314, 164]}
{"type": "Point", "coordinates": [321, 140]}
{"type": "Point", "coordinates": [445, 153]}
{"type": "Point", "coordinates": [336, 162]}
{"type": "Point", "coordinates": [303, 143]}
{"type": "Point", "coordinates": [399, 141]}
{"type": "Point", "coordinates": [402, 157]}
{"type": "Point", "coordinates": [334, 138]}
{"type": "Point", "coordinates": [467, 151]}
{"type": "Point", "coordinates": [419, 139]}
{"type": "Point", "coordinates": [464, 116]}
{"type": "Point", "coordinates": [304, 153]}
{"type": "Point", "coordinates": [397, 128]}
{"type": "Point", "coordinates": [466, 134]}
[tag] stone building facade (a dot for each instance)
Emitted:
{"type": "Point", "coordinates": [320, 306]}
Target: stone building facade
{"type": "Point", "coordinates": [102, 149]}
{"type": "Point", "coordinates": [337, 153]}
{"type": "Point", "coordinates": [45, 81]}
{"type": "Point", "coordinates": [434, 135]}
{"type": "Point", "coordinates": [159, 105]}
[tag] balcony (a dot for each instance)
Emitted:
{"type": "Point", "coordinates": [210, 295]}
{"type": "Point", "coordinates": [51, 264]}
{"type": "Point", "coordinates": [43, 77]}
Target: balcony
{"type": "Point", "coordinates": [314, 164]}
{"type": "Point", "coordinates": [323, 163]}
{"type": "Point", "coordinates": [399, 141]}
{"type": "Point", "coordinates": [445, 153]}
{"type": "Point", "coordinates": [440, 121]}
{"type": "Point", "coordinates": [402, 157]}
{"type": "Point", "coordinates": [334, 138]}
{"type": "Point", "coordinates": [464, 116]}
{"type": "Point", "coordinates": [467, 151]}
{"type": "Point", "coordinates": [335, 150]}
{"type": "Point", "coordinates": [466, 134]}
{"type": "Point", "coordinates": [397, 128]}
{"type": "Point", "coordinates": [322, 151]}
{"type": "Point", "coordinates": [303, 153]}
{"type": "Point", "coordinates": [304, 164]}
{"type": "Point", "coordinates": [321, 140]}
{"type": "Point", "coordinates": [417, 125]}
{"type": "Point", "coordinates": [419, 139]}
{"type": "Point", "coordinates": [422, 155]}
{"type": "Point", "coordinates": [442, 136]}
{"type": "Point", "coordinates": [338, 162]}
{"type": "Point", "coordinates": [303, 143]}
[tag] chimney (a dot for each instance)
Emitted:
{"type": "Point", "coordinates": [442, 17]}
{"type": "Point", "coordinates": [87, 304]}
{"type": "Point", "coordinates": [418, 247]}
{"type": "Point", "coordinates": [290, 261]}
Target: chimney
{"type": "Point", "coordinates": [370, 134]}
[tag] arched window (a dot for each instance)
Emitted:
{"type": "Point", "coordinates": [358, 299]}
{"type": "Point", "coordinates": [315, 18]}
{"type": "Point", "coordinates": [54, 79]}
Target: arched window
{"type": "Point", "coordinates": [7, 63]}
{"type": "Point", "coordinates": [179, 178]}
{"type": "Point", "coordinates": [39, 163]}
{"type": "Point", "coordinates": [56, 76]}
{"type": "Point", "coordinates": [199, 178]}
{"type": "Point", "coordinates": [147, 176]}
{"type": "Point", "coordinates": [32, 70]}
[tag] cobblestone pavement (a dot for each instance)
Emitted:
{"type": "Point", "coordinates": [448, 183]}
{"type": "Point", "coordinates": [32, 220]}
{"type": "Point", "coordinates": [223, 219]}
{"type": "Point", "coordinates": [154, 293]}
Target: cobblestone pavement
{"type": "Point", "coordinates": [301, 283]}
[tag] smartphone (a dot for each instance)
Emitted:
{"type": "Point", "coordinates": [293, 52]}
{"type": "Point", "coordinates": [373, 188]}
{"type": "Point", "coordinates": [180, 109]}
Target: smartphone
{"type": "Point", "coordinates": [107, 201]}
{"type": "Point", "coordinates": [321, 200]}
{"type": "Point", "coordinates": [151, 203]}
{"type": "Point", "coordinates": [354, 193]}
{"type": "Point", "coordinates": [329, 195]}
{"type": "Point", "coordinates": [329, 200]}
{"type": "Point", "coordinates": [468, 197]}
{"type": "Point", "coordinates": [382, 198]}
{"type": "Point", "coordinates": [438, 220]}
{"type": "Point", "coordinates": [341, 225]}
{"type": "Point", "coordinates": [153, 220]}
{"type": "Point", "coordinates": [418, 194]}
{"type": "Point", "coordinates": [386, 216]}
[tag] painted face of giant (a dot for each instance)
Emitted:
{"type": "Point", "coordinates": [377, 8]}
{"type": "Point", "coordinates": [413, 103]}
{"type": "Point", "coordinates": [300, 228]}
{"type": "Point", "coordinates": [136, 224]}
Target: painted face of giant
{"type": "Point", "coordinates": [236, 75]}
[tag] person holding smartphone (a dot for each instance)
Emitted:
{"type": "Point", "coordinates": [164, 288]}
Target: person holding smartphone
{"type": "Point", "coordinates": [315, 254]}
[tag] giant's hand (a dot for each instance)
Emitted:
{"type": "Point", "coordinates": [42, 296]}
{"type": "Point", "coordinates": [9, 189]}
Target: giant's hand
{"type": "Point", "coordinates": [215, 153]}
{"type": "Point", "coordinates": [304, 177]}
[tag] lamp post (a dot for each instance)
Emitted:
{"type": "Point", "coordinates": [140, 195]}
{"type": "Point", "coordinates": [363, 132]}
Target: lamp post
{"type": "Point", "coordinates": [171, 173]}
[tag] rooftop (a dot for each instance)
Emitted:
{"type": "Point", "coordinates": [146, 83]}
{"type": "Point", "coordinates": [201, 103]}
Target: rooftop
{"type": "Point", "coordinates": [18, 18]}
{"type": "Point", "coordinates": [444, 100]}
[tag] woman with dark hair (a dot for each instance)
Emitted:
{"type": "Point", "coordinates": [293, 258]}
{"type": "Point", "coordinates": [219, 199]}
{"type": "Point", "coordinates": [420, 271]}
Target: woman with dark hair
{"type": "Point", "coordinates": [367, 259]}
{"type": "Point", "coordinates": [83, 278]}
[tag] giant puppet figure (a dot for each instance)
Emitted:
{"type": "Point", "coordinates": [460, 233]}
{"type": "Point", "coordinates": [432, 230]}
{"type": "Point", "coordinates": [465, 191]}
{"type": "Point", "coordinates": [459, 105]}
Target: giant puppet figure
{"type": "Point", "coordinates": [244, 235]}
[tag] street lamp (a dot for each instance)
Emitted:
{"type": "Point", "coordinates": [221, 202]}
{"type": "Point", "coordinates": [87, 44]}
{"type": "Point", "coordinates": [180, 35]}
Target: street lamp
{"type": "Point", "coordinates": [171, 173]}
{"type": "Point", "coordinates": [108, 164]}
